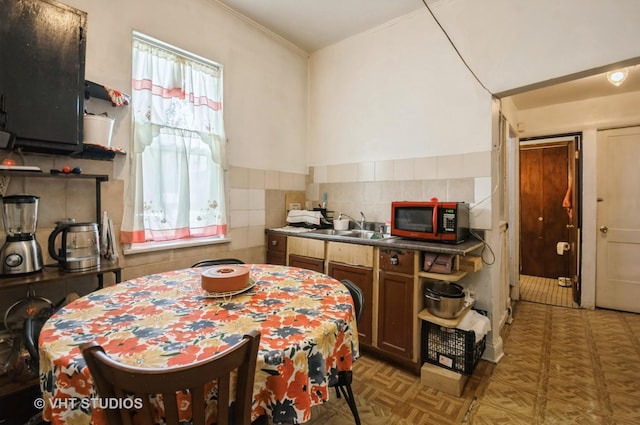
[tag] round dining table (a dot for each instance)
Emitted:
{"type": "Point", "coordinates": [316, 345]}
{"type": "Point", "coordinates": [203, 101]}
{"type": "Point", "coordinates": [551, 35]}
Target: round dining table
{"type": "Point", "coordinates": [306, 320]}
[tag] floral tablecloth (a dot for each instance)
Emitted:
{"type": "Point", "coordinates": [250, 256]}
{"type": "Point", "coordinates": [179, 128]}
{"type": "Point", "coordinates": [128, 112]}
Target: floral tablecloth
{"type": "Point", "coordinates": [306, 319]}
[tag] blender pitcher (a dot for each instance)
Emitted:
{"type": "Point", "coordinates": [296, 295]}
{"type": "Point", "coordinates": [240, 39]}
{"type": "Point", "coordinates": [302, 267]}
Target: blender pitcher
{"type": "Point", "coordinates": [21, 252]}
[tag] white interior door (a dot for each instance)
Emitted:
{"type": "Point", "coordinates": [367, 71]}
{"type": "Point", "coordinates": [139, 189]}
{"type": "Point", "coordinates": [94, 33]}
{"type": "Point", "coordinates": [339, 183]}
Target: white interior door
{"type": "Point", "coordinates": [618, 218]}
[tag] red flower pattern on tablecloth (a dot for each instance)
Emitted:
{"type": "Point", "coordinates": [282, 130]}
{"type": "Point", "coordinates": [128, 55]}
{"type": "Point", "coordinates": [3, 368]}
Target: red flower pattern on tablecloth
{"type": "Point", "coordinates": [163, 320]}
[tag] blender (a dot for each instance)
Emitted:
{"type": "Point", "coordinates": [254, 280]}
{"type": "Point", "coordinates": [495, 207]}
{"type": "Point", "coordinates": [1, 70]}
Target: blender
{"type": "Point", "coordinates": [21, 253]}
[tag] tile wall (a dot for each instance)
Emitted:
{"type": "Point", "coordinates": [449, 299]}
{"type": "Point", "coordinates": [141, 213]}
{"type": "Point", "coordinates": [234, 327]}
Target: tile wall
{"type": "Point", "coordinates": [370, 187]}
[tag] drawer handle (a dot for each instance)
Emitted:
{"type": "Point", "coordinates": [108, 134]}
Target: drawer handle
{"type": "Point", "coordinates": [274, 243]}
{"type": "Point", "coordinates": [395, 260]}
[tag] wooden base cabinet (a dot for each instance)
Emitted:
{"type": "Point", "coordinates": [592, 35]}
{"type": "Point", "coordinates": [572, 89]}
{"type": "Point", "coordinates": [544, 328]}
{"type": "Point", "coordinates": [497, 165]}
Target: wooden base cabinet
{"type": "Point", "coordinates": [395, 314]}
{"type": "Point", "coordinates": [390, 279]}
{"type": "Point", "coordinates": [362, 277]}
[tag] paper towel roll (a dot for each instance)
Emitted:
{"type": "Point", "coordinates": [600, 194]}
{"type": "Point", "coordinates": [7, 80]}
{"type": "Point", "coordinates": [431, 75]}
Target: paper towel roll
{"type": "Point", "coordinates": [225, 278]}
{"type": "Point", "coordinates": [561, 247]}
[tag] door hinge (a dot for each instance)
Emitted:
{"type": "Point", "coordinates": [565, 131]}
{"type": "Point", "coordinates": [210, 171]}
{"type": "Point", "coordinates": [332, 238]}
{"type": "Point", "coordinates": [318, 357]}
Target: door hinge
{"type": "Point", "coordinates": [577, 154]}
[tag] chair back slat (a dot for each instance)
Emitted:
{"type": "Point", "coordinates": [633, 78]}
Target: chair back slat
{"type": "Point", "coordinates": [146, 413]}
{"type": "Point", "coordinates": [114, 379]}
{"type": "Point", "coordinates": [198, 409]}
{"type": "Point", "coordinates": [223, 398]}
{"type": "Point", "coordinates": [170, 402]}
{"type": "Point", "coordinates": [217, 261]}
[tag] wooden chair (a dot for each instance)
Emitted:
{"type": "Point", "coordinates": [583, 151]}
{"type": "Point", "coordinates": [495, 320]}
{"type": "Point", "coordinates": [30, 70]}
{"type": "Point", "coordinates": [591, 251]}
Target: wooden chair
{"type": "Point", "coordinates": [346, 377]}
{"type": "Point", "coordinates": [116, 380]}
{"type": "Point", "coordinates": [218, 261]}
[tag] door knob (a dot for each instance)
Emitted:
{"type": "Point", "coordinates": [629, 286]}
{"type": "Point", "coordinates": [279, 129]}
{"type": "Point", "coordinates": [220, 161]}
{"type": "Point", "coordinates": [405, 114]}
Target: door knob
{"type": "Point", "coordinates": [604, 229]}
{"type": "Point", "coordinates": [540, 218]}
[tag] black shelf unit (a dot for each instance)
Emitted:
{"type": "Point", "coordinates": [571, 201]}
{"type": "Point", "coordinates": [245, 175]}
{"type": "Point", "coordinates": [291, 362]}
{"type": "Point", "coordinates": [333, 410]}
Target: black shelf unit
{"type": "Point", "coordinates": [99, 179]}
{"type": "Point", "coordinates": [52, 275]}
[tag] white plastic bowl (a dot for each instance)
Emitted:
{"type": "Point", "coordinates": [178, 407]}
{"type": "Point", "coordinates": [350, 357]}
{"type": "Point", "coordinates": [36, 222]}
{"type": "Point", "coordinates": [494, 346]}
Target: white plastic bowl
{"type": "Point", "coordinates": [341, 224]}
{"type": "Point", "coordinates": [97, 129]}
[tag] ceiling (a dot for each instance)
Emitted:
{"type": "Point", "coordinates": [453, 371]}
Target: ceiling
{"type": "Point", "coordinates": [313, 25]}
{"type": "Point", "coordinates": [576, 90]}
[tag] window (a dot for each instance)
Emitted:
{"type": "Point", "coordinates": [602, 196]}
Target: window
{"type": "Point", "coordinates": [178, 155]}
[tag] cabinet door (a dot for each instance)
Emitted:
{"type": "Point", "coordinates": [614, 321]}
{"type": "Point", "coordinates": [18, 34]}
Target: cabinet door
{"type": "Point", "coordinates": [395, 314]}
{"type": "Point", "coordinates": [363, 278]}
{"type": "Point", "coordinates": [399, 261]}
{"type": "Point", "coordinates": [276, 249]}
{"type": "Point", "coordinates": [315, 264]}
{"type": "Point", "coordinates": [275, 257]}
{"type": "Point", "coordinates": [42, 52]}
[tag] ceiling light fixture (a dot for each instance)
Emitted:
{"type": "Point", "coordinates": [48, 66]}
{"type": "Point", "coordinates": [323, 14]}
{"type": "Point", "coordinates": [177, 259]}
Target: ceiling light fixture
{"type": "Point", "coordinates": [618, 76]}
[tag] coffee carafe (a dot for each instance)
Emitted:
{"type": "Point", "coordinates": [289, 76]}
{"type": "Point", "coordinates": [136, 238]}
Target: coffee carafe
{"type": "Point", "coordinates": [21, 252]}
{"type": "Point", "coordinates": [79, 247]}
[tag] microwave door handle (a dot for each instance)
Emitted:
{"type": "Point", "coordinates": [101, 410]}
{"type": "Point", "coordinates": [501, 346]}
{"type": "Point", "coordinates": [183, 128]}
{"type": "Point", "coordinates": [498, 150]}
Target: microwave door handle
{"type": "Point", "coordinates": [434, 219]}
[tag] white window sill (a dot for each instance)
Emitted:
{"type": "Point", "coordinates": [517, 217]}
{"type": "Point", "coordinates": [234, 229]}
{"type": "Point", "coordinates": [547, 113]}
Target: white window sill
{"type": "Point", "coordinates": [141, 248]}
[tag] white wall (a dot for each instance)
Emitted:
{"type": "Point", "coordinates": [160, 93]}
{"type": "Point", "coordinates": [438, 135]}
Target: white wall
{"type": "Point", "coordinates": [398, 91]}
{"type": "Point", "coordinates": [511, 44]}
{"type": "Point", "coordinates": [265, 78]}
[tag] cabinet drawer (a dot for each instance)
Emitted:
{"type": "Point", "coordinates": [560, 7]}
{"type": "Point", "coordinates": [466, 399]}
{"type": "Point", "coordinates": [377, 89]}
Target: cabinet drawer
{"type": "Point", "coordinates": [348, 253]}
{"type": "Point", "coordinates": [313, 248]}
{"type": "Point", "coordinates": [315, 264]}
{"type": "Point", "coordinates": [399, 261]}
{"type": "Point", "coordinates": [277, 243]}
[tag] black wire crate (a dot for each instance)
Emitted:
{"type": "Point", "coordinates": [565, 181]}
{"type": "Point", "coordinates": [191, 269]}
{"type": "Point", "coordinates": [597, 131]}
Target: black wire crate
{"type": "Point", "coordinates": [451, 348]}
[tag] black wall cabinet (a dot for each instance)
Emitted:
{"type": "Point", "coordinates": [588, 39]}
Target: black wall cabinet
{"type": "Point", "coordinates": [42, 58]}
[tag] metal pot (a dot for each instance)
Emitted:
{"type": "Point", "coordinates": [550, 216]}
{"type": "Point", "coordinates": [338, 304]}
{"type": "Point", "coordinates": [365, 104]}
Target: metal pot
{"type": "Point", "coordinates": [444, 299]}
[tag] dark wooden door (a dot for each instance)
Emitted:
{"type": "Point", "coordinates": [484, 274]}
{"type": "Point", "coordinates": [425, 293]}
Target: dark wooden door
{"type": "Point", "coordinates": [362, 277]}
{"type": "Point", "coordinates": [544, 183]}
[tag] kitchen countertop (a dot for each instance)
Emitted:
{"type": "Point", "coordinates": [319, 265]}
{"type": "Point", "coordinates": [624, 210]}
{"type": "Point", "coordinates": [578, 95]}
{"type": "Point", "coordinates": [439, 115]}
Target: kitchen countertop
{"type": "Point", "coordinates": [392, 242]}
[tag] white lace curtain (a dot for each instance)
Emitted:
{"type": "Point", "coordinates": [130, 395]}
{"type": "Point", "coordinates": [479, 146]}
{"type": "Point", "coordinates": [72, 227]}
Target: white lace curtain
{"type": "Point", "coordinates": [178, 160]}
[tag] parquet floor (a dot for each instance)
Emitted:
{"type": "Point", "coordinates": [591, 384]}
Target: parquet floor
{"type": "Point", "coordinates": [546, 291]}
{"type": "Point", "coordinates": [561, 366]}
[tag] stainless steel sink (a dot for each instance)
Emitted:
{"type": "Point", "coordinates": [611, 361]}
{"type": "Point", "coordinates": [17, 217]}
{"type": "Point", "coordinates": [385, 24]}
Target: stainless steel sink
{"type": "Point", "coordinates": [352, 233]}
{"type": "Point", "coordinates": [363, 234]}
{"type": "Point", "coordinates": [332, 232]}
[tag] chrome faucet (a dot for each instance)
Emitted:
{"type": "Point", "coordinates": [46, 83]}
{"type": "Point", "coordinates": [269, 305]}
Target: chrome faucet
{"type": "Point", "coordinates": [360, 223]}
